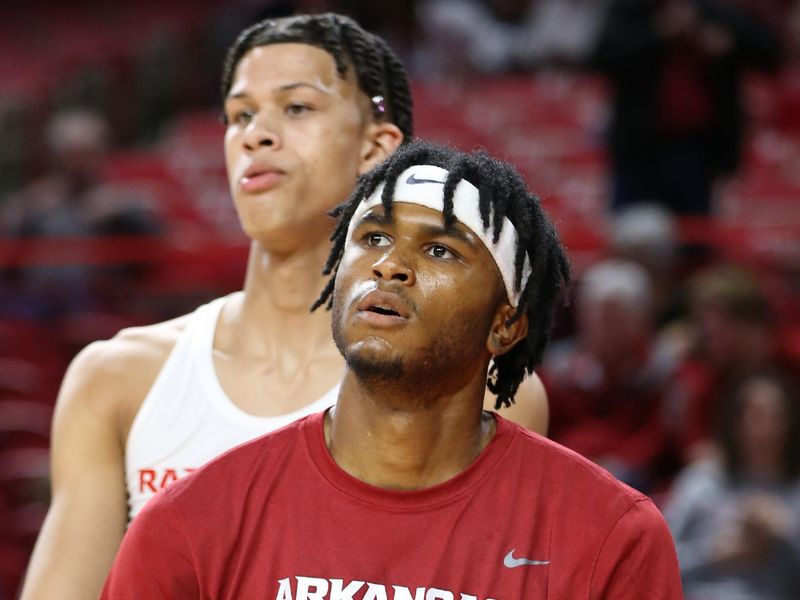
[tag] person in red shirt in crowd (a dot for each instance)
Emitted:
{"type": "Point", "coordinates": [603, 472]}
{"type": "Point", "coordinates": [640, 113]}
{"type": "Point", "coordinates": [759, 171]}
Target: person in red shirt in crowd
{"type": "Point", "coordinates": [733, 333]}
{"type": "Point", "coordinates": [607, 385]}
{"type": "Point", "coordinates": [677, 122]}
{"type": "Point", "coordinates": [444, 267]}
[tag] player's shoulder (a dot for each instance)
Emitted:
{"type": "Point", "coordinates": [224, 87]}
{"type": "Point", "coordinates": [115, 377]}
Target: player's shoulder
{"type": "Point", "coordinates": [274, 446]}
{"type": "Point", "coordinates": [566, 469]}
{"type": "Point", "coordinates": [112, 377]}
{"type": "Point", "coordinates": [265, 457]}
{"type": "Point", "coordinates": [583, 498]}
{"type": "Point", "coordinates": [130, 350]}
{"type": "Point", "coordinates": [229, 489]}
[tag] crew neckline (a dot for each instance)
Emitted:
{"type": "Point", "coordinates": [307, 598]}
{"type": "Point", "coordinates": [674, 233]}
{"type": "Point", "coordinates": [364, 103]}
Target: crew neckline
{"type": "Point", "coordinates": [406, 500]}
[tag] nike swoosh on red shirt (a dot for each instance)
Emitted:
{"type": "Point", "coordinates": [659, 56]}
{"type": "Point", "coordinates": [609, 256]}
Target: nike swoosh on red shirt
{"type": "Point", "coordinates": [510, 562]}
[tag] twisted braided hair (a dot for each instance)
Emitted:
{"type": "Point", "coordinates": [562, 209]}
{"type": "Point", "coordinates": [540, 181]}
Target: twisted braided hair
{"type": "Point", "coordinates": [503, 193]}
{"type": "Point", "coordinates": [378, 70]}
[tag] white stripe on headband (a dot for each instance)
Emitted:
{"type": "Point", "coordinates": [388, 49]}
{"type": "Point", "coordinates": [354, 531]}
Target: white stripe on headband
{"type": "Point", "coordinates": [424, 185]}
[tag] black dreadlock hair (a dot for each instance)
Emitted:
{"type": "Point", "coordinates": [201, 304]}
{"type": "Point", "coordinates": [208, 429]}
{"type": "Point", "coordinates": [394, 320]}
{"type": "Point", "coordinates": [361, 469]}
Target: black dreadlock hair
{"type": "Point", "coordinates": [378, 70]}
{"type": "Point", "coordinates": [503, 193]}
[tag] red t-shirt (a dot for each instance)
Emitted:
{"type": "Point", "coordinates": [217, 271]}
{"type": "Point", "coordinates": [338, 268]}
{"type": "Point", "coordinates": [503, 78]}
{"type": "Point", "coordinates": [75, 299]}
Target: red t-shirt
{"type": "Point", "coordinates": [276, 518]}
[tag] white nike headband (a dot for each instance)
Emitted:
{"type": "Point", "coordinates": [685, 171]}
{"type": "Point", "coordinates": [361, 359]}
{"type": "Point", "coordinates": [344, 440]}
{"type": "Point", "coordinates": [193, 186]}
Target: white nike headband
{"type": "Point", "coordinates": [424, 185]}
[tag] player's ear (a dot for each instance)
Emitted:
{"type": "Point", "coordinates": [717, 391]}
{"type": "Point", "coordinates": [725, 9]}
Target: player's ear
{"type": "Point", "coordinates": [381, 139]}
{"type": "Point", "coordinates": [505, 334]}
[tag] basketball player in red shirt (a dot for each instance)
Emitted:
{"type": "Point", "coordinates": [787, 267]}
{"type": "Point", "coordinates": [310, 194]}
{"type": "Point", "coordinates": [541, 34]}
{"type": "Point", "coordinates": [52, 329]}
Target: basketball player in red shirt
{"type": "Point", "coordinates": [444, 267]}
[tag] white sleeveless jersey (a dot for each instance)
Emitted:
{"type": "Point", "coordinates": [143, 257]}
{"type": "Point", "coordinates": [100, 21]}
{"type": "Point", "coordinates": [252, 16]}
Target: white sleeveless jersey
{"type": "Point", "coordinates": [187, 419]}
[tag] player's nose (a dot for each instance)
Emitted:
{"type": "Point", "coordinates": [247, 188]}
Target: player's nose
{"type": "Point", "coordinates": [392, 266]}
{"type": "Point", "coordinates": [261, 134]}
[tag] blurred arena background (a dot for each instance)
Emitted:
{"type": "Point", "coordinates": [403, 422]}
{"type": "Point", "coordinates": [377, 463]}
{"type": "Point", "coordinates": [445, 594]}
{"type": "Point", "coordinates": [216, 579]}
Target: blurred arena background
{"type": "Point", "coordinates": [115, 211]}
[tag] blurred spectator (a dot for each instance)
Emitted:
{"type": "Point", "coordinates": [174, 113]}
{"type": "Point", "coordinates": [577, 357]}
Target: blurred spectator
{"type": "Point", "coordinates": [54, 205]}
{"type": "Point", "coordinates": [231, 17]}
{"type": "Point", "coordinates": [792, 30]}
{"type": "Point", "coordinates": [395, 22]}
{"type": "Point", "coordinates": [506, 36]}
{"type": "Point", "coordinates": [732, 332]}
{"type": "Point", "coordinates": [647, 234]}
{"type": "Point", "coordinates": [736, 517]}
{"type": "Point", "coordinates": [675, 66]}
{"type": "Point", "coordinates": [773, 12]}
{"type": "Point", "coordinates": [606, 386]}
{"type": "Point", "coordinates": [67, 202]}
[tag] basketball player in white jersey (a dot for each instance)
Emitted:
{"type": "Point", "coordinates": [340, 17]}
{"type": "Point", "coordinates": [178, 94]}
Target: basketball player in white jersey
{"type": "Point", "coordinates": [311, 102]}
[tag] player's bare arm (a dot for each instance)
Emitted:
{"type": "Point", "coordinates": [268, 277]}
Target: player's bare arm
{"type": "Point", "coordinates": [101, 393]}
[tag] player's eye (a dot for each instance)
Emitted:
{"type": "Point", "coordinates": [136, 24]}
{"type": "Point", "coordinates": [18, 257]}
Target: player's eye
{"type": "Point", "coordinates": [296, 109]}
{"type": "Point", "coordinates": [375, 239]}
{"type": "Point", "coordinates": [241, 117]}
{"type": "Point", "coordinates": [441, 251]}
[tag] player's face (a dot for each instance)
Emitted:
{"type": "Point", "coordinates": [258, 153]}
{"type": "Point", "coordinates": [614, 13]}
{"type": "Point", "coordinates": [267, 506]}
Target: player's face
{"type": "Point", "coordinates": [298, 135]}
{"type": "Point", "coordinates": [414, 298]}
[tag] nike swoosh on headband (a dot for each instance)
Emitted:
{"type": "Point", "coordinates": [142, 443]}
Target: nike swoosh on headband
{"type": "Point", "coordinates": [414, 181]}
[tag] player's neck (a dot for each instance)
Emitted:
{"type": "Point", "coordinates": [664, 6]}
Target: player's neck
{"type": "Point", "coordinates": [273, 313]}
{"type": "Point", "coordinates": [422, 444]}
{"type": "Point", "coordinates": [285, 283]}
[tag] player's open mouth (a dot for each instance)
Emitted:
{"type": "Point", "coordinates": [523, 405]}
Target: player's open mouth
{"type": "Point", "coordinates": [383, 310]}
{"type": "Point", "coordinates": [378, 307]}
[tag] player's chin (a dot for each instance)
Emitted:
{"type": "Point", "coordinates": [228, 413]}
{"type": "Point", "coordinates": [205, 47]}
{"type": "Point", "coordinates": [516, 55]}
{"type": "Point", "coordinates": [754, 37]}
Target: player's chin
{"type": "Point", "coordinates": [279, 234]}
{"type": "Point", "coordinates": [375, 358]}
